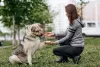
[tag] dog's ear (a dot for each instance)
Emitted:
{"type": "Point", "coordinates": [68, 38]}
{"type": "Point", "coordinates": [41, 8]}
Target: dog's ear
{"type": "Point", "coordinates": [40, 25]}
{"type": "Point", "coordinates": [33, 29]}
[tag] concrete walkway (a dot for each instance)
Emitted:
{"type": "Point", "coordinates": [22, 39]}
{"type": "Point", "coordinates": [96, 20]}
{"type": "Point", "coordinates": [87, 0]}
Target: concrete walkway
{"type": "Point", "coordinates": [4, 46]}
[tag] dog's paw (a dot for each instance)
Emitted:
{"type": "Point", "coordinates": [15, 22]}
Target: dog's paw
{"type": "Point", "coordinates": [30, 64]}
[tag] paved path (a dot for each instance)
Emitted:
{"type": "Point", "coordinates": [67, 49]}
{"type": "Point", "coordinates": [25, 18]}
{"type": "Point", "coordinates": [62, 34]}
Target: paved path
{"type": "Point", "coordinates": [4, 46]}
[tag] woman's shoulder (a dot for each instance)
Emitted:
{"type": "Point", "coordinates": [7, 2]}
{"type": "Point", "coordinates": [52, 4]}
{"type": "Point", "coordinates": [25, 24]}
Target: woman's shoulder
{"type": "Point", "coordinates": [77, 22]}
{"type": "Point", "coordinates": [74, 25]}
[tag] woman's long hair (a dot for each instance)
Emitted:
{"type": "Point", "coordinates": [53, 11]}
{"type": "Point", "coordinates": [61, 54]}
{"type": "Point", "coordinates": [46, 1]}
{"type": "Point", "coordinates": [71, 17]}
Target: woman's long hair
{"type": "Point", "coordinates": [71, 12]}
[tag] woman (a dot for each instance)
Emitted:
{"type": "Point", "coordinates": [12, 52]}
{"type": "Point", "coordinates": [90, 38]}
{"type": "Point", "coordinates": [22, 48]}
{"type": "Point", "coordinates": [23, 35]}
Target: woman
{"type": "Point", "coordinates": [72, 42]}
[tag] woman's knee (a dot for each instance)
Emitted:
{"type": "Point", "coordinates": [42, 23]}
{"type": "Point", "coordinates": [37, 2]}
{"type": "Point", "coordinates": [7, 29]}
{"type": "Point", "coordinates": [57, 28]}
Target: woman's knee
{"type": "Point", "coordinates": [56, 51]}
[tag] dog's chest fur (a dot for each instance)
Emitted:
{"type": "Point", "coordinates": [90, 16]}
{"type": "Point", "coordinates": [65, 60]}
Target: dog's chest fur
{"type": "Point", "coordinates": [28, 43]}
{"type": "Point", "coordinates": [31, 43]}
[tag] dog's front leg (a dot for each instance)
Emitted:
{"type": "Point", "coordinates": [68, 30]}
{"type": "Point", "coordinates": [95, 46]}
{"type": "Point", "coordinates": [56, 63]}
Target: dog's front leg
{"type": "Point", "coordinates": [29, 57]}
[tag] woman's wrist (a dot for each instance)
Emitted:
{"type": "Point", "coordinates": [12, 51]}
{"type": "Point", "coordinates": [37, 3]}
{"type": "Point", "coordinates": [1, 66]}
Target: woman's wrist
{"type": "Point", "coordinates": [53, 43]}
{"type": "Point", "coordinates": [49, 42]}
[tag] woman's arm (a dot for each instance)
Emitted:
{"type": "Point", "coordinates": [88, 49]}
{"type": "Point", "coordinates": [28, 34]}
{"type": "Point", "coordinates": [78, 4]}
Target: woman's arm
{"type": "Point", "coordinates": [70, 33]}
{"type": "Point", "coordinates": [66, 38]}
{"type": "Point", "coordinates": [50, 42]}
{"type": "Point", "coordinates": [49, 34]}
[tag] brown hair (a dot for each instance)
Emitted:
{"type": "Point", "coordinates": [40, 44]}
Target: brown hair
{"type": "Point", "coordinates": [71, 12]}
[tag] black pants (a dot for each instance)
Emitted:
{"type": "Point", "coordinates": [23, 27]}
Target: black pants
{"type": "Point", "coordinates": [68, 51]}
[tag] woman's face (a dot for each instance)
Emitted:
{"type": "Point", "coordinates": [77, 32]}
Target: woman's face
{"type": "Point", "coordinates": [66, 14]}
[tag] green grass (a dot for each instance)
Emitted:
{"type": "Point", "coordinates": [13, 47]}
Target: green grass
{"type": "Point", "coordinates": [6, 43]}
{"type": "Point", "coordinates": [45, 57]}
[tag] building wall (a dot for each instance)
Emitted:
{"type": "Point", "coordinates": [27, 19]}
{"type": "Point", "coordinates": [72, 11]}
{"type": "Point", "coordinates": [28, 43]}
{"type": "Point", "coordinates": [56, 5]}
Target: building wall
{"type": "Point", "coordinates": [91, 11]}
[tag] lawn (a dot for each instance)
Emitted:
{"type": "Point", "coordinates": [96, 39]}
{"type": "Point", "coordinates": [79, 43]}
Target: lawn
{"type": "Point", "coordinates": [45, 58]}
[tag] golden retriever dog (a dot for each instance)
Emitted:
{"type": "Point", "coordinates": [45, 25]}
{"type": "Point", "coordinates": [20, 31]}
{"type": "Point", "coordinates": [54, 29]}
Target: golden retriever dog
{"type": "Point", "coordinates": [31, 42]}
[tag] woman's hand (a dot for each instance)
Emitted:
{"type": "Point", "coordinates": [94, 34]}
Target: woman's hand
{"type": "Point", "coordinates": [49, 34]}
{"type": "Point", "coordinates": [49, 42]}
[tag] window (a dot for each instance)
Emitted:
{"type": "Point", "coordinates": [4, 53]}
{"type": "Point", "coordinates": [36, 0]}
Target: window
{"type": "Point", "coordinates": [91, 24]}
{"type": "Point", "coordinates": [99, 24]}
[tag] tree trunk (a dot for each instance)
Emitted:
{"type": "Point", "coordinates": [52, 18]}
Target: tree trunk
{"type": "Point", "coordinates": [18, 35]}
{"type": "Point", "coordinates": [5, 38]}
{"type": "Point", "coordinates": [44, 25]}
{"type": "Point", "coordinates": [14, 33]}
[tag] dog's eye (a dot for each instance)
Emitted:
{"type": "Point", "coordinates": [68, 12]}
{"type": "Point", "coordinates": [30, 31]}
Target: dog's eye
{"type": "Point", "coordinates": [36, 31]}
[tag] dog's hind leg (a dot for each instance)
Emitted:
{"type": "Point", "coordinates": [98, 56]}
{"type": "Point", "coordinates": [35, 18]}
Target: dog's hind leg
{"type": "Point", "coordinates": [14, 59]}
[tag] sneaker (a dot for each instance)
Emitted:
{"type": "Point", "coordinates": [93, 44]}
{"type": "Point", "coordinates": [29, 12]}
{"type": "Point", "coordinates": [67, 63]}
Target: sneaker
{"type": "Point", "coordinates": [76, 59]}
{"type": "Point", "coordinates": [62, 60]}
